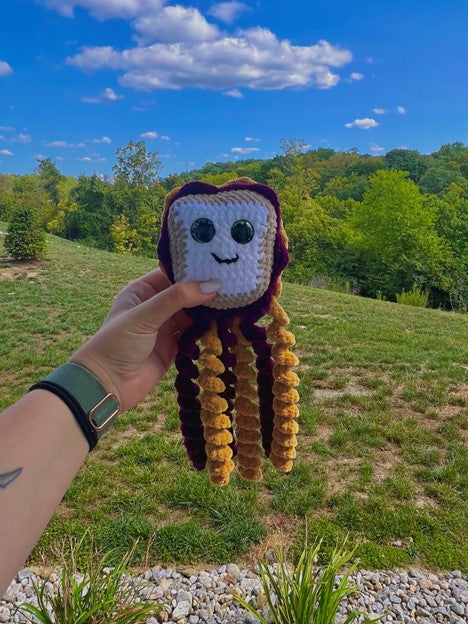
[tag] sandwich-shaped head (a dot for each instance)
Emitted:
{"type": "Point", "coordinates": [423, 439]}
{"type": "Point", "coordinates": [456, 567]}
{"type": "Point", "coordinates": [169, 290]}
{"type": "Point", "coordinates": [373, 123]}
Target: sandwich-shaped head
{"type": "Point", "coordinates": [227, 233]}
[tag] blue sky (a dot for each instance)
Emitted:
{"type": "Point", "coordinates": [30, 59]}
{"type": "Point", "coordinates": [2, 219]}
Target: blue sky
{"type": "Point", "coordinates": [207, 80]}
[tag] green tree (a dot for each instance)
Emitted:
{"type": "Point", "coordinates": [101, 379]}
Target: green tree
{"type": "Point", "coordinates": [136, 166]}
{"type": "Point", "coordinates": [452, 226]}
{"type": "Point", "coordinates": [29, 191]}
{"type": "Point", "coordinates": [219, 178]}
{"type": "Point", "coordinates": [91, 219]}
{"type": "Point", "coordinates": [148, 228]}
{"type": "Point", "coordinates": [8, 199]}
{"type": "Point", "coordinates": [25, 240]}
{"type": "Point", "coordinates": [346, 187]}
{"type": "Point", "coordinates": [49, 177]}
{"type": "Point", "coordinates": [55, 219]}
{"type": "Point", "coordinates": [124, 238]}
{"type": "Point", "coordinates": [450, 151]}
{"type": "Point", "coordinates": [396, 241]}
{"type": "Point", "coordinates": [296, 181]}
{"type": "Point", "coordinates": [142, 208]}
{"type": "Point", "coordinates": [307, 230]}
{"type": "Point", "coordinates": [438, 179]}
{"type": "Point", "coordinates": [407, 160]}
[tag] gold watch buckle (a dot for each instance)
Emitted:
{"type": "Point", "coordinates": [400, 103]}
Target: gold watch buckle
{"type": "Point", "coordinates": [94, 409]}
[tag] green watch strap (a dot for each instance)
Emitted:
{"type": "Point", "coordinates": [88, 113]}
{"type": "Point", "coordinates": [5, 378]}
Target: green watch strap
{"type": "Point", "coordinates": [100, 406]}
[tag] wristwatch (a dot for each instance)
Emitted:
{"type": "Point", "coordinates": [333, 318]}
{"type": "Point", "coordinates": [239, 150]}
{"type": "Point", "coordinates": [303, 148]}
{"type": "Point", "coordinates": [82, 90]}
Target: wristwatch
{"type": "Point", "coordinates": [94, 408]}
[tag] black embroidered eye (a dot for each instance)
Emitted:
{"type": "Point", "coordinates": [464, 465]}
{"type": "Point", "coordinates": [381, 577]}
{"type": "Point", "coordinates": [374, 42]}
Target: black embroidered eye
{"type": "Point", "coordinates": [202, 230]}
{"type": "Point", "coordinates": [242, 232]}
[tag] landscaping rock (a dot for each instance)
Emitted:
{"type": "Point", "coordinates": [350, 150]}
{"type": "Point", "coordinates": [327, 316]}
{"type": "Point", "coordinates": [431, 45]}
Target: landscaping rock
{"type": "Point", "coordinates": [207, 597]}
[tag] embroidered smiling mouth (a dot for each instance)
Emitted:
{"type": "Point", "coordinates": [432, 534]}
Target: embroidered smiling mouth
{"type": "Point", "coordinates": [225, 260]}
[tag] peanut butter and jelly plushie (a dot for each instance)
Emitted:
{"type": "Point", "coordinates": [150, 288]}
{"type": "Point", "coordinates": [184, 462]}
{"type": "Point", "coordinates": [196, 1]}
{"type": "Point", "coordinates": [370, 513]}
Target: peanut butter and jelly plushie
{"type": "Point", "coordinates": [233, 233]}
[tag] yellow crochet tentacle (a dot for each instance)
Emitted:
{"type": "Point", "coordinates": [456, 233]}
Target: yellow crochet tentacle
{"type": "Point", "coordinates": [247, 419]}
{"type": "Point", "coordinates": [216, 423]}
{"type": "Point", "coordinates": [285, 427]}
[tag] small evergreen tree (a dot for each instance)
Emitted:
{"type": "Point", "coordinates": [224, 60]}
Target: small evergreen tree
{"type": "Point", "coordinates": [25, 240]}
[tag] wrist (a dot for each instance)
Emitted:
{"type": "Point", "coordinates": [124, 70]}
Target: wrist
{"type": "Point", "coordinates": [91, 363]}
{"type": "Point", "coordinates": [94, 407]}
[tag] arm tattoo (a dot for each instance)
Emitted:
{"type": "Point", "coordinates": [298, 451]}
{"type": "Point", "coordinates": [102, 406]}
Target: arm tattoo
{"type": "Point", "coordinates": [8, 477]}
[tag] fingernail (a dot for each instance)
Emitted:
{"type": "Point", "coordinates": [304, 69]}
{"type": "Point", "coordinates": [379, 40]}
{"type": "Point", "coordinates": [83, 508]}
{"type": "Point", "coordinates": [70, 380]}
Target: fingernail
{"type": "Point", "coordinates": [210, 286]}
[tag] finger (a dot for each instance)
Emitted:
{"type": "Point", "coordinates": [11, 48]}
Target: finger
{"type": "Point", "coordinates": [176, 325]}
{"type": "Point", "coordinates": [138, 291]}
{"type": "Point", "coordinates": [157, 279]}
{"type": "Point", "coordinates": [150, 315]}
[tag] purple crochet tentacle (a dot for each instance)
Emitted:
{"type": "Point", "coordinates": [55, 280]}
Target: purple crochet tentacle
{"type": "Point", "coordinates": [187, 394]}
{"type": "Point", "coordinates": [228, 358]}
{"type": "Point", "coordinates": [264, 363]}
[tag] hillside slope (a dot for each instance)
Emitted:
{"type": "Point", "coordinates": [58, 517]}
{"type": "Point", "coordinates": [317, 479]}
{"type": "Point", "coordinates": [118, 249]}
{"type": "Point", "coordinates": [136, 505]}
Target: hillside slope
{"type": "Point", "coordinates": [382, 452]}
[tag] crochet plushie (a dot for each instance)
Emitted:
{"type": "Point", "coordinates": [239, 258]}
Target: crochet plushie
{"type": "Point", "coordinates": [233, 233]}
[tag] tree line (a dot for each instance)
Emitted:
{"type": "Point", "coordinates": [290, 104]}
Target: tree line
{"type": "Point", "coordinates": [374, 225]}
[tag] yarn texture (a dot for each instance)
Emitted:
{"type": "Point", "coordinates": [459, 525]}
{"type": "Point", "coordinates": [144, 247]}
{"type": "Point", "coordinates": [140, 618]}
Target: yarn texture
{"type": "Point", "coordinates": [236, 388]}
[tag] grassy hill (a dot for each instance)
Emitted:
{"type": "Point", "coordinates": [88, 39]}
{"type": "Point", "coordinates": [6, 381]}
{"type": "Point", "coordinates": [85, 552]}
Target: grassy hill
{"type": "Point", "coordinates": [382, 453]}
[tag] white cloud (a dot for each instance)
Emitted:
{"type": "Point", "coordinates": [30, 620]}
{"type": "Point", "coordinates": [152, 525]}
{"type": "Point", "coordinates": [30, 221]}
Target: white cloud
{"type": "Point", "coordinates": [251, 139]}
{"type": "Point", "coordinates": [5, 152]}
{"type": "Point", "coordinates": [244, 150]}
{"type": "Point", "coordinates": [104, 139]}
{"type": "Point", "coordinates": [164, 137]}
{"type": "Point", "coordinates": [378, 111]}
{"type": "Point", "coordinates": [64, 144]}
{"type": "Point", "coordinates": [5, 69]}
{"type": "Point", "coordinates": [356, 76]}
{"type": "Point", "coordinates": [401, 110]}
{"type": "Point", "coordinates": [370, 60]}
{"type": "Point", "coordinates": [107, 94]}
{"type": "Point", "coordinates": [59, 158]}
{"type": "Point", "coordinates": [253, 58]}
{"type": "Point", "coordinates": [21, 138]}
{"type": "Point", "coordinates": [89, 159]}
{"type": "Point", "coordinates": [103, 9]}
{"type": "Point", "coordinates": [377, 149]}
{"type": "Point", "coordinates": [7, 129]}
{"type": "Point", "coordinates": [149, 135]}
{"type": "Point", "coordinates": [227, 12]}
{"type": "Point", "coordinates": [234, 93]}
{"type": "Point", "coordinates": [90, 100]}
{"type": "Point", "coordinates": [110, 94]}
{"type": "Point", "coordinates": [174, 24]}
{"type": "Point", "coordinates": [364, 124]}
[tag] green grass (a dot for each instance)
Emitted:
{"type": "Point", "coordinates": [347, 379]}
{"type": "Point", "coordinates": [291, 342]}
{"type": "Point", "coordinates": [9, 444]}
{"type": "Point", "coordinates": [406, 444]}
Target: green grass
{"type": "Point", "coordinates": [382, 451]}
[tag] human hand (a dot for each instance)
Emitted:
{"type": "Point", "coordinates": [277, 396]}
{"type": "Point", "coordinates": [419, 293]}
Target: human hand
{"type": "Point", "coordinates": [137, 342]}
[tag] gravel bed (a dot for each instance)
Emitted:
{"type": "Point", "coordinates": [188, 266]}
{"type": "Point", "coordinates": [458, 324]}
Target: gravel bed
{"type": "Point", "coordinates": [195, 597]}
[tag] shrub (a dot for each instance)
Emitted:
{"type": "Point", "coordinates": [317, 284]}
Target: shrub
{"type": "Point", "coordinates": [413, 297]}
{"type": "Point", "coordinates": [25, 240]}
{"type": "Point", "coordinates": [305, 594]}
{"type": "Point", "coordinates": [98, 594]}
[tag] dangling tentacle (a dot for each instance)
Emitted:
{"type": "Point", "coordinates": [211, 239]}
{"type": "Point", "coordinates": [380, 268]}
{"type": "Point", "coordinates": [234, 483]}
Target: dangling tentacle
{"type": "Point", "coordinates": [187, 393]}
{"type": "Point", "coordinates": [228, 358]}
{"type": "Point", "coordinates": [215, 421]}
{"type": "Point", "coordinates": [264, 362]}
{"type": "Point", "coordinates": [247, 419]}
{"type": "Point", "coordinates": [283, 449]}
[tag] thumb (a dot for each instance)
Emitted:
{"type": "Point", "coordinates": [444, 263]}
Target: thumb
{"type": "Point", "coordinates": [151, 314]}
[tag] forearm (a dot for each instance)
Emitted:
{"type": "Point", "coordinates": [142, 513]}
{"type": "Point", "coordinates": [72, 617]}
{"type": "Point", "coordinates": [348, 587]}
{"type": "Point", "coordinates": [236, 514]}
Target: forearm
{"type": "Point", "coordinates": [42, 449]}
